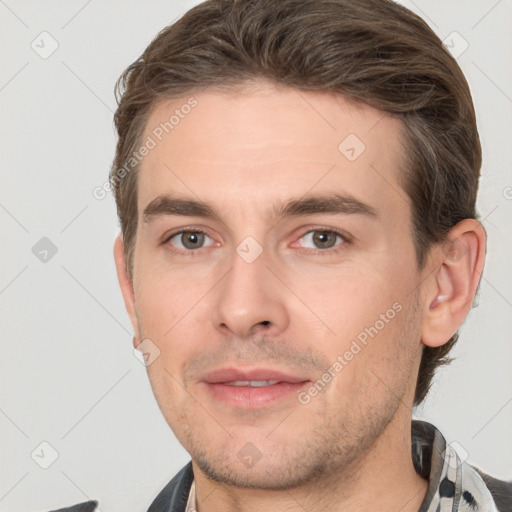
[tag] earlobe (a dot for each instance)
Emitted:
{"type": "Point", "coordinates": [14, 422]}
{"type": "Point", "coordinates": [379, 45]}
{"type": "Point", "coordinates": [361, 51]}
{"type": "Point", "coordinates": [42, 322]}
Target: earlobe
{"type": "Point", "coordinates": [453, 282]}
{"type": "Point", "coordinates": [126, 285]}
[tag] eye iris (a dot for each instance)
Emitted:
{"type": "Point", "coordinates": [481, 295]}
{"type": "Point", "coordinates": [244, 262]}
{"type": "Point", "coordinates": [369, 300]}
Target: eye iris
{"type": "Point", "coordinates": [320, 239]}
{"type": "Point", "coordinates": [195, 239]}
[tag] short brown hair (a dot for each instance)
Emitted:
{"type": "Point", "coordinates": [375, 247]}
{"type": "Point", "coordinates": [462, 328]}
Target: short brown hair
{"type": "Point", "coordinates": [374, 51]}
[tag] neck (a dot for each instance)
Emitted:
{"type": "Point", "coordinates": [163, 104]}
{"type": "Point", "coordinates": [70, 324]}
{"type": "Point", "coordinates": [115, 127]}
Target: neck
{"type": "Point", "coordinates": [383, 480]}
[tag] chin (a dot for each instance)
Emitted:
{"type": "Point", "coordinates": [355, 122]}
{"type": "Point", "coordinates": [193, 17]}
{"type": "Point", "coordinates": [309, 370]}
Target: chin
{"type": "Point", "coordinates": [268, 475]}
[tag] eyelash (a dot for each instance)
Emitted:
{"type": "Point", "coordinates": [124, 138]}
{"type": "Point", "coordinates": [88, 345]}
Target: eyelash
{"type": "Point", "coordinates": [317, 252]}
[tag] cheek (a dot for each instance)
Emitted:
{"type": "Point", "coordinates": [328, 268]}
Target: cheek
{"type": "Point", "coordinates": [172, 318]}
{"type": "Point", "coordinates": [368, 330]}
{"type": "Point", "coordinates": [353, 298]}
{"type": "Point", "coordinates": [374, 366]}
{"type": "Point", "coordinates": [164, 299]}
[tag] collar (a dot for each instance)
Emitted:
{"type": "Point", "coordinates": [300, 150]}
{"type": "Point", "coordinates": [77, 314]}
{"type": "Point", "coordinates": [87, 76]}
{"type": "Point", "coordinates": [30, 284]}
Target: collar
{"type": "Point", "coordinates": [454, 485]}
{"type": "Point", "coordinates": [192, 502]}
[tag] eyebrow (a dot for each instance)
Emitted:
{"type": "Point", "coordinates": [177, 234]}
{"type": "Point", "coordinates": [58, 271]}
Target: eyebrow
{"type": "Point", "coordinates": [340, 204]}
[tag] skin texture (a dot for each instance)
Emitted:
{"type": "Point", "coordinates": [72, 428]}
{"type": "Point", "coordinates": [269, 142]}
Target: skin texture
{"type": "Point", "coordinates": [243, 151]}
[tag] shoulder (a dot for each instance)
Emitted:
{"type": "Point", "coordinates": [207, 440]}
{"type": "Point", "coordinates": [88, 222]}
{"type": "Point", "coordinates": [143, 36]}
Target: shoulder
{"type": "Point", "coordinates": [86, 506]}
{"type": "Point", "coordinates": [501, 490]}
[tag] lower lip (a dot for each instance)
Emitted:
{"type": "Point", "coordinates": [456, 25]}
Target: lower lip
{"type": "Point", "coordinates": [248, 397]}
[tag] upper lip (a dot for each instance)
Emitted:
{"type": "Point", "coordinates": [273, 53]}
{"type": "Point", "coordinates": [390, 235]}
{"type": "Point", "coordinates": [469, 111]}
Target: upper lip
{"type": "Point", "coordinates": [233, 374]}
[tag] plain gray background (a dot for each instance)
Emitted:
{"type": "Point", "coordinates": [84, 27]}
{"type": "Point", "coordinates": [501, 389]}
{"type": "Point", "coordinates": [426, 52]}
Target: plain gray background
{"type": "Point", "coordinates": [68, 374]}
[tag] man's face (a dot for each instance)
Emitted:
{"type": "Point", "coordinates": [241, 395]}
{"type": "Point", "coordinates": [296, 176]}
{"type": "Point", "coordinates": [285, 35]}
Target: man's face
{"type": "Point", "coordinates": [324, 326]}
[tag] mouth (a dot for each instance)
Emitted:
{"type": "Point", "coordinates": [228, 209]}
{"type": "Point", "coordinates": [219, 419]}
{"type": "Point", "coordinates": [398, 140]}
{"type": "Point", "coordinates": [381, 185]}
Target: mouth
{"type": "Point", "coordinates": [251, 383]}
{"type": "Point", "coordinates": [252, 389]}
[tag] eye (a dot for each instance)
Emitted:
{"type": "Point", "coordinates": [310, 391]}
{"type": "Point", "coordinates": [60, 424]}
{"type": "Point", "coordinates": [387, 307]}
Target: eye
{"type": "Point", "coordinates": [187, 241]}
{"type": "Point", "coordinates": [324, 239]}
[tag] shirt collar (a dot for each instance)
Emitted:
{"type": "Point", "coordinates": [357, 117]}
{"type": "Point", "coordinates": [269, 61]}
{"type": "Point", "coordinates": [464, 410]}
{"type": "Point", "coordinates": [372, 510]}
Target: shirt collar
{"type": "Point", "coordinates": [191, 502]}
{"type": "Point", "coordinates": [453, 485]}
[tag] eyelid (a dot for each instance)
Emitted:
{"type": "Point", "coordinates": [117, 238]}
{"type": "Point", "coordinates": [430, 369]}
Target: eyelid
{"type": "Point", "coordinates": [183, 229]}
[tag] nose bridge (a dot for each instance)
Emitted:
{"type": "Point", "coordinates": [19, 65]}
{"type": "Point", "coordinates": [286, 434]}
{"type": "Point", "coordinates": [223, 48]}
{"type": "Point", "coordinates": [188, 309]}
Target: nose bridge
{"type": "Point", "coordinates": [249, 293]}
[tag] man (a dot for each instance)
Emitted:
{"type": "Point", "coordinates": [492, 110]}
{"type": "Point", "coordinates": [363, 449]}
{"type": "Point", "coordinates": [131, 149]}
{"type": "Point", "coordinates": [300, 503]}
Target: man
{"type": "Point", "coordinates": [296, 184]}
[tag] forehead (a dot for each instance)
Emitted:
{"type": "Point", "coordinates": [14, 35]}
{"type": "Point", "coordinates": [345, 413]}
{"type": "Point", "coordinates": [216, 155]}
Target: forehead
{"type": "Point", "coordinates": [260, 145]}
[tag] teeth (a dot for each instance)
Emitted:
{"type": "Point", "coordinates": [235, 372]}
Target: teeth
{"type": "Point", "coordinates": [252, 383]}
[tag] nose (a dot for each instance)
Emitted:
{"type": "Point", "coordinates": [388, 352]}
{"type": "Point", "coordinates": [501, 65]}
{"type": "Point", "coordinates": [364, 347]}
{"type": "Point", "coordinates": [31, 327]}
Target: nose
{"type": "Point", "coordinates": [250, 300]}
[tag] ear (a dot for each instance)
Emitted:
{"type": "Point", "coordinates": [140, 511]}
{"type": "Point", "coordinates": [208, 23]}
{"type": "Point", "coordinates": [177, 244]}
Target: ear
{"type": "Point", "coordinates": [452, 285]}
{"type": "Point", "coordinates": [126, 287]}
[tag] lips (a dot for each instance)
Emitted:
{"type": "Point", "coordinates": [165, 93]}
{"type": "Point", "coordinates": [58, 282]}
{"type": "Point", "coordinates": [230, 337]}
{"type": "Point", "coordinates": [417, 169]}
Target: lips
{"type": "Point", "coordinates": [230, 375]}
{"type": "Point", "coordinates": [252, 389]}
